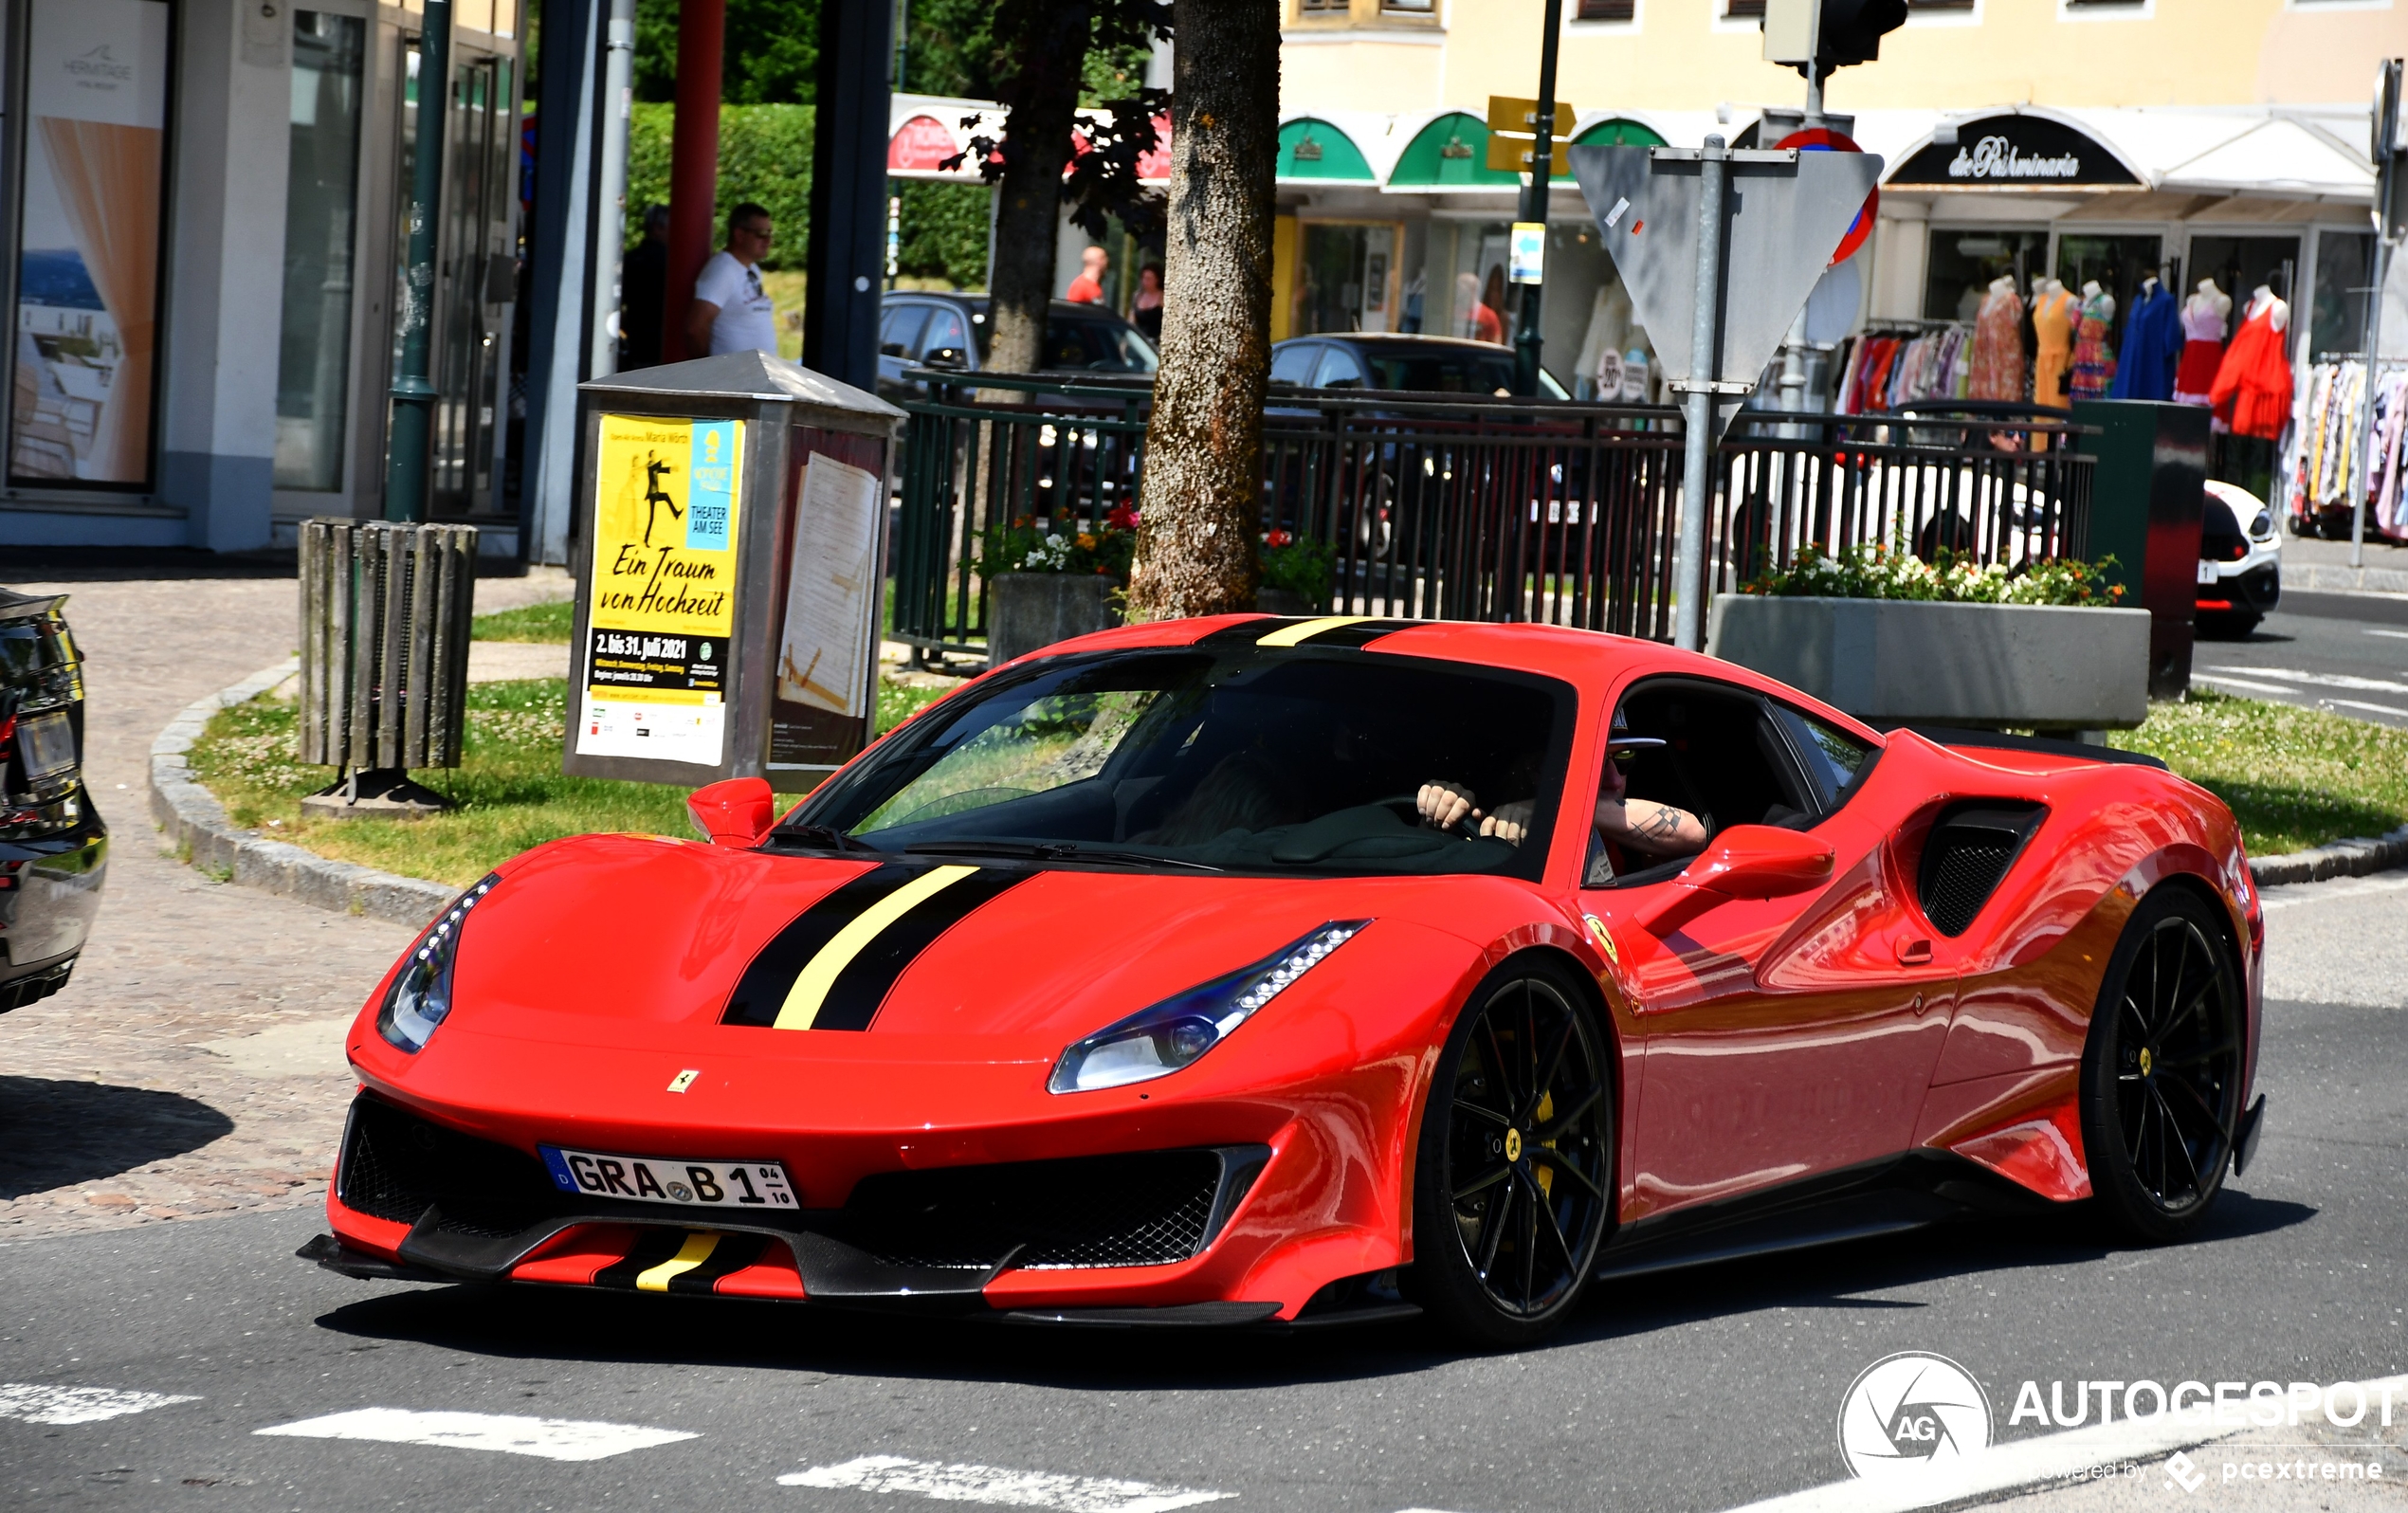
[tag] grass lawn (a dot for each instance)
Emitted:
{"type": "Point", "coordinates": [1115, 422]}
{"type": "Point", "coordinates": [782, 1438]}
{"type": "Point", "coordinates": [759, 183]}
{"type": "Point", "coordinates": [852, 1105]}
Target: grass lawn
{"type": "Point", "coordinates": [508, 786]}
{"type": "Point", "coordinates": [2294, 777]}
{"type": "Point", "coordinates": [547, 622]}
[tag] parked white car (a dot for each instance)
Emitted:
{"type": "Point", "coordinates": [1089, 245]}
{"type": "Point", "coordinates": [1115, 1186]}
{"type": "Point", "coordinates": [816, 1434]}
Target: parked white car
{"type": "Point", "coordinates": [2241, 561]}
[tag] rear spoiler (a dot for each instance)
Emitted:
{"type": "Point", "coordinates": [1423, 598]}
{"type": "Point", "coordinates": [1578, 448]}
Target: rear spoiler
{"type": "Point", "coordinates": [1991, 739]}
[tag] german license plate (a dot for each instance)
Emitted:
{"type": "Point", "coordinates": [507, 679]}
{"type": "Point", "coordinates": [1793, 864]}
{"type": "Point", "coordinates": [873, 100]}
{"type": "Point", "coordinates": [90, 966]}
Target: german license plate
{"type": "Point", "coordinates": [673, 1180]}
{"type": "Point", "coordinates": [50, 745]}
{"type": "Point", "coordinates": [2207, 571]}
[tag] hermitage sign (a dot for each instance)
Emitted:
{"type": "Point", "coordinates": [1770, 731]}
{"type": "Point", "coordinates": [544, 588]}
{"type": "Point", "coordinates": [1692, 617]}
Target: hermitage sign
{"type": "Point", "coordinates": [2013, 151]}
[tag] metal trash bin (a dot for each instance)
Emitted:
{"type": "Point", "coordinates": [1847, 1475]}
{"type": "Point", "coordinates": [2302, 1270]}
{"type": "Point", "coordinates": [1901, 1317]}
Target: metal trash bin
{"type": "Point", "coordinates": [730, 558]}
{"type": "Point", "coordinates": [385, 609]}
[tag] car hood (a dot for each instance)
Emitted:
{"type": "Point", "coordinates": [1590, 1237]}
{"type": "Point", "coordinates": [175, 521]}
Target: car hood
{"type": "Point", "coordinates": [644, 942]}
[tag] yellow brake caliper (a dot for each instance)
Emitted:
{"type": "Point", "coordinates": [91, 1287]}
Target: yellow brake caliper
{"type": "Point", "coordinates": [1545, 1173]}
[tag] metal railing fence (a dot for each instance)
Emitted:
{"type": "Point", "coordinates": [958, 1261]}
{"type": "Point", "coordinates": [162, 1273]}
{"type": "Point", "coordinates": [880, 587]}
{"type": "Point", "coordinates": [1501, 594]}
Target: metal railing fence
{"type": "Point", "coordinates": [1489, 509]}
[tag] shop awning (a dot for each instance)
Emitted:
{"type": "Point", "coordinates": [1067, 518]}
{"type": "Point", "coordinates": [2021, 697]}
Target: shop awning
{"type": "Point", "coordinates": [2259, 152]}
{"type": "Point", "coordinates": [1314, 148]}
{"type": "Point", "coordinates": [1451, 153]}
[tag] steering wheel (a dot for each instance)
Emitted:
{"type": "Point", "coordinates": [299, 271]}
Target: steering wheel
{"type": "Point", "coordinates": [1410, 806]}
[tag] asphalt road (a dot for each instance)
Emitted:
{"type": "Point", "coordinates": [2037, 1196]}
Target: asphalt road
{"type": "Point", "coordinates": [1700, 1390]}
{"type": "Point", "coordinates": [2347, 652]}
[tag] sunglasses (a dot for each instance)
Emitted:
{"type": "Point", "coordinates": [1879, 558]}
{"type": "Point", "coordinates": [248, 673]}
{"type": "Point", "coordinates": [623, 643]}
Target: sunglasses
{"type": "Point", "coordinates": [1622, 749]}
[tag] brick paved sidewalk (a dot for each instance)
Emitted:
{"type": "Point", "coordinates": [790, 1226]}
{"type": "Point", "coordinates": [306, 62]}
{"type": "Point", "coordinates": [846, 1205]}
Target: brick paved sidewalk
{"type": "Point", "coordinates": [194, 1066]}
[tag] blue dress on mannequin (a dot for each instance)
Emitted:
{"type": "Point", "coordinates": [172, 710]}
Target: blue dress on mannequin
{"type": "Point", "coordinates": [2152, 346]}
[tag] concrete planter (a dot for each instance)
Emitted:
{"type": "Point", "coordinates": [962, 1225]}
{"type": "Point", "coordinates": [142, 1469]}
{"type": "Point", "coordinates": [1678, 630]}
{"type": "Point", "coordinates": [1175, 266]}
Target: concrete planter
{"type": "Point", "coordinates": [1027, 610]}
{"type": "Point", "coordinates": [1890, 661]}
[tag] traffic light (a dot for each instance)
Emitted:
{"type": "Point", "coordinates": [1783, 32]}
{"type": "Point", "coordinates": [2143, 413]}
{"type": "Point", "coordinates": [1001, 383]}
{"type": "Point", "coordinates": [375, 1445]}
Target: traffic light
{"type": "Point", "coordinates": [1834, 33]}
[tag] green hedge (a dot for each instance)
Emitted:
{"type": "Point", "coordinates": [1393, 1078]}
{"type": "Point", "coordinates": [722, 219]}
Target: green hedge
{"type": "Point", "coordinates": [765, 156]}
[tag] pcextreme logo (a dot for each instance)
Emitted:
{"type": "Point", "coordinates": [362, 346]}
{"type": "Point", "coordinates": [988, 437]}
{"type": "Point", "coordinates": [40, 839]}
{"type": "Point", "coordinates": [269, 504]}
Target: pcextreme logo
{"type": "Point", "coordinates": [1912, 1413]}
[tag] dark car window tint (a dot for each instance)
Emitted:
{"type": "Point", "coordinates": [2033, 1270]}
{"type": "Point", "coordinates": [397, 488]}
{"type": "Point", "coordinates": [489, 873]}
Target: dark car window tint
{"type": "Point", "coordinates": [899, 329]}
{"type": "Point", "coordinates": [944, 330]}
{"type": "Point", "coordinates": [1250, 760]}
{"type": "Point", "coordinates": [1339, 370]}
{"type": "Point", "coordinates": [1444, 372]}
{"type": "Point", "coordinates": [1096, 346]}
{"type": "Point", "coordinates": [1833, 759]}
{"type": "Point", "coordinates": [1294, 364]}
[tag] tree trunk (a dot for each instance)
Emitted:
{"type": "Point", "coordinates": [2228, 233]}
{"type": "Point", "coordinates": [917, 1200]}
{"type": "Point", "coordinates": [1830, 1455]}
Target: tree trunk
{"type": "Point", "coordinates": [1202, 499]}
{"type": "Point", "coordinates": [1052, 43]}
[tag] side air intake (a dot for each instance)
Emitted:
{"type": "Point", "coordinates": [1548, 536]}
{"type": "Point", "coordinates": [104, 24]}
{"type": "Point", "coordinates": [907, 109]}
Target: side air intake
{"type": "Point", "coordinates": [1972, 845]}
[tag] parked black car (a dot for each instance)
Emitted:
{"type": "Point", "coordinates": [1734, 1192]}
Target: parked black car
{"type": "Point", "coordinates": [949, 331]}
{"type": "Point", "coordinates": [1382, 360]}
{"type": "Point", "coordinates": [53, 848]}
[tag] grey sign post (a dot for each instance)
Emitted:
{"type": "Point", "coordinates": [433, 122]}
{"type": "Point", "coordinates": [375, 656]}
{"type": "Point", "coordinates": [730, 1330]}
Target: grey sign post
{"type": "Point", "coordinates": [1718, 250]}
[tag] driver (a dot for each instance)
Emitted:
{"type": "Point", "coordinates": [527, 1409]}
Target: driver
{"type": "Point", "coordinates": [1641, 825]}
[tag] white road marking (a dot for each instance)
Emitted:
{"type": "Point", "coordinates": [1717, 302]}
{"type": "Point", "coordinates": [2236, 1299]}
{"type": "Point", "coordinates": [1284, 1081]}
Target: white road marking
{"type": "Point", "coordinates": [2320, 680]}
{"type": "Point", "coordinates": [35, 1404]}
{"type": "Point", "coordinates": [2399, 635]}
{"type": "Point", "coordinates": [554, 1439]}
{"type": "Point", "coordinates": [2023, 1463]}
{"type": "Point", "coordinates": [2361, 704]}
{"type": "Point", "coordinates": [2248, 684]}
{"type": "Point", "coordinates": [988, 1483]}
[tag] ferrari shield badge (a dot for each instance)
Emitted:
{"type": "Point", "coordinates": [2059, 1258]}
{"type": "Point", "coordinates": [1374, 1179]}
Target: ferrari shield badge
{"type": "Point", "coordinates": [1605, 938]}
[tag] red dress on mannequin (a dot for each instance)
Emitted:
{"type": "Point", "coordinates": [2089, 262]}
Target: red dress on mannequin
{"type": "Point", "coordinates": [2252, 391]}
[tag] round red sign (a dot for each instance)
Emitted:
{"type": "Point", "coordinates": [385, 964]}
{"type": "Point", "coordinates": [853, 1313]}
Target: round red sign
{"type": "Point", "coordinates": [1822, 140]}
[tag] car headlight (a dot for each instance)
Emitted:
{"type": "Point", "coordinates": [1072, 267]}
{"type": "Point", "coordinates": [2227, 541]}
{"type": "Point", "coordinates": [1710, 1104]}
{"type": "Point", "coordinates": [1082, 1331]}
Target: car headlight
{"type": "Point", "coordinates": [2263, 526]}
{"type": "Point", "coordinates": [421, 992]}
{"type": "Point", "coordinates": [1158, 1041]}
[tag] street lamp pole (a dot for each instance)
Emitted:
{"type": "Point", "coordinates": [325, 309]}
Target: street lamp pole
{"type": "Point", "coordinates": [1534, 201]}
{"type": "Point", "coordinates": [411, 428]}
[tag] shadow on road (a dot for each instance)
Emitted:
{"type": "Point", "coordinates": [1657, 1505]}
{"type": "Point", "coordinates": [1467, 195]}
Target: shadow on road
{"type": "Point", "coordinates": [55, 1133]}
{"type": "Point", "coordinates": [576, 1325]}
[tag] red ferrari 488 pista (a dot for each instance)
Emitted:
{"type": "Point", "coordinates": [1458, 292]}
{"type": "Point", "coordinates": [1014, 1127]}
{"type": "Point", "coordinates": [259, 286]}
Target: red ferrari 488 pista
{"type": "Point", "coordinates": [1243, 970]}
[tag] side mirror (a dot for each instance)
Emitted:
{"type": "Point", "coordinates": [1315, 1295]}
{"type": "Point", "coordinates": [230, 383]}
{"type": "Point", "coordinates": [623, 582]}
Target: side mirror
{"type": "Point", "coordinates": [1759, 862]}
{"type": "Point", "coordinates": [944, 357]}
{"type": "Point", "coordinates": [736, 812]}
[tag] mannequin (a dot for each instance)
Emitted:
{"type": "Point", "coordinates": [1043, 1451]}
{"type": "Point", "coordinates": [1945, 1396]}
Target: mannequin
{"type": "Point", "coordinates": [2253, 390]}
{"type": "Point", "coordinates": [1995, 366]}
{"type": "Point", "coordinates": [2205, 318]}
{"type": "Point", "coordinates": [2052, 317]}
{"type": "Point", "coordinates": [2093, 361]}
{"type": "Point", "coordinates": [2152, 345]}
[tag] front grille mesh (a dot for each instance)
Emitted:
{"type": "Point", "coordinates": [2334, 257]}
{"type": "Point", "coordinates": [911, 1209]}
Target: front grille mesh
{"type": "Point", "coordinates": [396, 1165]}
{"type": "Point", "coordinates": [1110, 1211]}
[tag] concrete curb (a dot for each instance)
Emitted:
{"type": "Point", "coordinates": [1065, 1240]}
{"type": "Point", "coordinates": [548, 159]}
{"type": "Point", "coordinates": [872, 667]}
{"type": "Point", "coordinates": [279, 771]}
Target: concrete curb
{"type": "Point", "coordinates": [2321, 577]}
{"type": "Point", "coordinates": [194, 820]}
{"type": "Point", "coordinates": [2355, 857]}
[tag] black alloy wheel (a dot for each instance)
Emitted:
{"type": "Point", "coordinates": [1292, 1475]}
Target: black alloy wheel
{"type": "Point", "coordinates": [2161, 1071]}
{"type": "Point", "coordinates": [1514, 1185]}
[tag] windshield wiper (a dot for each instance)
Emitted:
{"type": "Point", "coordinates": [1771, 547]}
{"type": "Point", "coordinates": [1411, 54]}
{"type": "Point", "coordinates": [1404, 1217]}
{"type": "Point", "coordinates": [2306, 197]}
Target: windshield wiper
{"type": "Point", "coordinates": [1053, 851]}
{"type": "Point", "coordinates": [822, 835]}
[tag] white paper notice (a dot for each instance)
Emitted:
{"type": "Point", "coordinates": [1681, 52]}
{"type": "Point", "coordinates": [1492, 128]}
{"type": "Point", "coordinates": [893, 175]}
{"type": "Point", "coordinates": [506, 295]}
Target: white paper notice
{"type": "Point", "coordinates": [663, 732]}
{"type": "Point", "coordinates": [823, 659]}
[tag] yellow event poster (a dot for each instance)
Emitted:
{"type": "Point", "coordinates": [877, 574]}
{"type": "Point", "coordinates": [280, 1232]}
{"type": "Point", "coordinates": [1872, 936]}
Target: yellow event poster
{"type": "Point", "coordinates": [668, 493]}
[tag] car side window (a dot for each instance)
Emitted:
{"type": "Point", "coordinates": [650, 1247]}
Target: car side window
{"type": "Point", "coordinates": [899, 329]}
{"type": "Point", "coordinates": [1339, 370]}
{"type": "Point", "coordinates": [1832, 759]}
{"type": "Point", "coordinates": [944, 330]}
{"type": "Point", "coordinates": [1294, 364]}
{"type": "Point", "coordinates": [1724, 760]}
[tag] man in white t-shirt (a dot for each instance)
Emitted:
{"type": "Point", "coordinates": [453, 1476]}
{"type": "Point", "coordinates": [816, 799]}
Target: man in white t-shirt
{"type": "Point", "coordinates": [730, 312]}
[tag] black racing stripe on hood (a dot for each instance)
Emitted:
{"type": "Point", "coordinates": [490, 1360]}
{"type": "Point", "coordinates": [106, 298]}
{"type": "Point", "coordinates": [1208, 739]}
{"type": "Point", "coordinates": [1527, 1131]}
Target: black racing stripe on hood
{"type": "Point", "coordinates": [1361, 633]}
{"type": "Point", "coordinates": [763, 988]}
{"type": "Point", "coordinates": [853, 998]}
{"type": "Point", "coordinates": [651, 1247]}
{"type": "Point", "coordinates": [1243, 633]}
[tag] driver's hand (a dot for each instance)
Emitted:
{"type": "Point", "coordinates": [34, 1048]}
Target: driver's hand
{"type": "Point", "coordinates": [1445, 805]}
{"type": "Point", "coordinates": [1510, 823]}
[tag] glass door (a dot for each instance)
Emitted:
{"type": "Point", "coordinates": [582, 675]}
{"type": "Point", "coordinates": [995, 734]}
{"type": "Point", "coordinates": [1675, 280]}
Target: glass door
{"type": "Point", "coordinates": [313, 370]}
{"type": "Point", "coordinates": [476, 273]}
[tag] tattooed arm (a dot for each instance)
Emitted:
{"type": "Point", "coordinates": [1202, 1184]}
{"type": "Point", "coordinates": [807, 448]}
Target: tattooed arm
{"type": "Point", "coordinates": [1644, 825]}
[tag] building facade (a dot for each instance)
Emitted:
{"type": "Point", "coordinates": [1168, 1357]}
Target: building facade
{"type": "Point", "coordinates": [2106, 140]}
{"type": "Point", "coordinates": [202, 206]}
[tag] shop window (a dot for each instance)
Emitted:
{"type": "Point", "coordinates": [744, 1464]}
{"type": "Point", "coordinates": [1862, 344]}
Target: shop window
{"type": "Point", "coordinates": [1344, 279]}
{"type": "Point", "coordinates": [2238, 265]}
{"type": "Point", "coordinates": [2344, 273]}
{"type": "Point", "coordinates": [91, 197]}
{"type": "Point", "coordinates": [1607, 10]}
{"type": "Point", "coordinates": [1415, 8]}
{"type": "Point", "coordinates": [2117, 264]}
{"type": "Point", "coordinates": [313, 369]}
{"type": "Point", "coordinates": [1964, 260]}
{"type": "Point", "coordinates": [1917, 7]}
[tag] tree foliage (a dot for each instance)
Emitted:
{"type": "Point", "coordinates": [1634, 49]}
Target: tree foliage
{"type": "Point", "coordinates": [771, 56]}
{"type": "Point", "coordinates": [765, 156]}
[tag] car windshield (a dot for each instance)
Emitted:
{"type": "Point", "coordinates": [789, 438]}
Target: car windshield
{"type": "Point", "coordinates": [1243, 759]}
{"type": "Point", "coordinates": [1452, 373]}
{"type": "Point", "coordinates": [1083, 345]}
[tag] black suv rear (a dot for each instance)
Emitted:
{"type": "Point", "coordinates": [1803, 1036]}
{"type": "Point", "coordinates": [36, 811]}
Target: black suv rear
{"type": "Point", "coordinates": [53, 848]}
